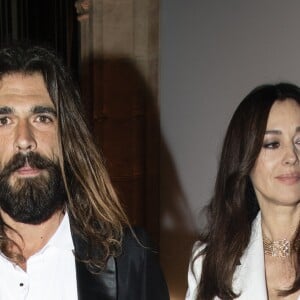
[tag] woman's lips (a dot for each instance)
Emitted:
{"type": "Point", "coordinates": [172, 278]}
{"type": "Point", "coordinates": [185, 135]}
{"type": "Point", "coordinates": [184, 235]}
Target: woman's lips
{"type": "Point", "coordinates": [289, 179]}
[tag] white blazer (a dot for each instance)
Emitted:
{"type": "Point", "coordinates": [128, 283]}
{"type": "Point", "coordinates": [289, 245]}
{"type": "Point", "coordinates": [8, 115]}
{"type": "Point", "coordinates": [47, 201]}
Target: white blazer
{"type": "Point", "coordinates": [249, 277]}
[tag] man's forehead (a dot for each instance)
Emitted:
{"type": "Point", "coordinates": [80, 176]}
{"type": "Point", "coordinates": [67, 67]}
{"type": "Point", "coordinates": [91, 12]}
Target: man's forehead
{"type": "Point", "coordinates": [17, 79]}
{"type": "Point", "coordinates": [30, 88]}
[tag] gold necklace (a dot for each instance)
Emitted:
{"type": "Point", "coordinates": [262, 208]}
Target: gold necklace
{"type": "Point", "coordinates": [280, 248]}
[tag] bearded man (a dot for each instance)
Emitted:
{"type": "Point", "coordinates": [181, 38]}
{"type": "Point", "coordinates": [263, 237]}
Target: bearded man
{"type": "Point", "coordinates": [63, 233]}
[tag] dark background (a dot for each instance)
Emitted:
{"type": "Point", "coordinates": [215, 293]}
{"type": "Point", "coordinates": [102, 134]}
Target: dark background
{"type": "Point", "coordinates": [49, 22]}
{"type": "Point", "coordinates": [119, 106]}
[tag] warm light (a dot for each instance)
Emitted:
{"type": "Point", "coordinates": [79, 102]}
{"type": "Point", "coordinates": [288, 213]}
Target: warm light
{"type": "Point", "coordinates": [175, 296]}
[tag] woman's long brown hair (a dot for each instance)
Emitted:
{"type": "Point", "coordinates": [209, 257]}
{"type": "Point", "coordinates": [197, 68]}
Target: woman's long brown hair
{"type": "Point", "coordinates": [234, 205]}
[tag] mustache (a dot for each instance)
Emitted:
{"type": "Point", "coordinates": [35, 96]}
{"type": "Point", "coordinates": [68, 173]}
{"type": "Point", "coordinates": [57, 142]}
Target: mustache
{"type": "Point", "coordinates": [33, 159]}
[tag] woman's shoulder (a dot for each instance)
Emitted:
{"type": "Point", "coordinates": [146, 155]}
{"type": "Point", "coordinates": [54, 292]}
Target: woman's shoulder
{"type": "Point", "coordinates": [195, 269]}
{"type": "Point", "coordinates": [197, 258]}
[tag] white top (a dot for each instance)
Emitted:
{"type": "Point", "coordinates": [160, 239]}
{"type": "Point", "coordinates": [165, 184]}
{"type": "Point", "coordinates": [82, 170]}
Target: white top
{"type": "Point", "coordinates": [50, 274]}
{"type": "Point", "coordinates": [249, 276]}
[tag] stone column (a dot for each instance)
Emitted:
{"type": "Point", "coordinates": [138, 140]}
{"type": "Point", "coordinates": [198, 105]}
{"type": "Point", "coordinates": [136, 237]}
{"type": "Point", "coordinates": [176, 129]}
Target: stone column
{"type": "Point", "coordinates": [119, 41]}
{"type": "Point", "coordinates": [83, 8]}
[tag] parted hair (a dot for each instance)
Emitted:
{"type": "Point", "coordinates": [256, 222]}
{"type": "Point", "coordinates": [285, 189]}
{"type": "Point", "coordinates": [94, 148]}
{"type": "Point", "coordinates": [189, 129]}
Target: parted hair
{"type": "Point", "coordinates": [95, 211]}
{"type": "Point", "coordinates": [234, 205]}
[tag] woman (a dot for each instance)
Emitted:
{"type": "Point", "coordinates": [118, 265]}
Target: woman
{"type": "Point", "coordinates": [250, 249]}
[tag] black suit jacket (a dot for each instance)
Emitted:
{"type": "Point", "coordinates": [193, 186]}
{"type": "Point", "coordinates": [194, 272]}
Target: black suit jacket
{"type": "Point", "coordinates": [134, 275]}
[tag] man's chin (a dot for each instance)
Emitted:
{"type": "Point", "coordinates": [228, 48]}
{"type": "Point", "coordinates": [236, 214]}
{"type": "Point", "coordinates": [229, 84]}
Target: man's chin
{"type": "Point", "coordinates": [32, 219]}
{"type": "Point", "coordinates": [31, 190]}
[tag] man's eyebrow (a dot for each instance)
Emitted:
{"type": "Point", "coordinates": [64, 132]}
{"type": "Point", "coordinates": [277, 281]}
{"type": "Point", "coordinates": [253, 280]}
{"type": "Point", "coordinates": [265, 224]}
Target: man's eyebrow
{"type": "Point", "coordinates": [5, 110]}
{"type": "Point", "coordinates": [40, 109]}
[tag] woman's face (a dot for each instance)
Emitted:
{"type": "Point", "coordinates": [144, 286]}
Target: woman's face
{"type": "Point", "coordinates": [276, 173]}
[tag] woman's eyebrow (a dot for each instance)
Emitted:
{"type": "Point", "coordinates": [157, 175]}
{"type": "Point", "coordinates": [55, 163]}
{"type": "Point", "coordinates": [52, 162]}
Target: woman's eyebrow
{"type": "Point", "coordinates": [273, 131]}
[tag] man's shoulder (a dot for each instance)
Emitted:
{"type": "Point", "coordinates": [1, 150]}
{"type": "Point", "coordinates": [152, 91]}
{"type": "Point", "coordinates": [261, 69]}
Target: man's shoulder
{"type": "Point", "coordinates": [138, 269]}
{"type": "Point", "coordinates": [136, 242]}
{"type": "Point", "coordinates": [137, 236]}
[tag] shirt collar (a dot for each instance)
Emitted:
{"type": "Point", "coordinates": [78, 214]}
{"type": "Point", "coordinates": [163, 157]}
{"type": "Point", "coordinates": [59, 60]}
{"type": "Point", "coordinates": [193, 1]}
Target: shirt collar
{"type": "Point", "coordinates": [62, 238]}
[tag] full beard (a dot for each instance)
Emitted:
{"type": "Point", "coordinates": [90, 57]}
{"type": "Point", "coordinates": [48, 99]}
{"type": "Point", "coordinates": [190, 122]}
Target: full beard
{"type": "Point", "coordinates": [32, 200]}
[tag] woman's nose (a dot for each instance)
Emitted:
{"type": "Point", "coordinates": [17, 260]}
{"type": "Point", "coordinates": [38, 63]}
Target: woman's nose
{"type": "Point", "coordinates": [291, 156]}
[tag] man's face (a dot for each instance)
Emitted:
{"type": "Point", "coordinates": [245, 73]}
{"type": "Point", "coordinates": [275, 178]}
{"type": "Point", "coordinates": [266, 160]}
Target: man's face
{"type": "Point", "coordinates": [31, 188]}
{"type": "Point", "coordinates": [28, 121]}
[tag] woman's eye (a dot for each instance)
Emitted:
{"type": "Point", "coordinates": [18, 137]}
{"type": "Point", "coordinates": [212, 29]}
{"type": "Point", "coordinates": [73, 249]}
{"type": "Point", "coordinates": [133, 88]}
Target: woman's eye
{"type": "Point", "coordinates": [4, 121]}
{"type": "Point", "coordinates": [271, 145]}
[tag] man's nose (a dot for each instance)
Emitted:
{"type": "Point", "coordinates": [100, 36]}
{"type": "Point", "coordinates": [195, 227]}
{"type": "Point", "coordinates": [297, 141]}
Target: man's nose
{"type": "Point", "coordinates": [24, 137]}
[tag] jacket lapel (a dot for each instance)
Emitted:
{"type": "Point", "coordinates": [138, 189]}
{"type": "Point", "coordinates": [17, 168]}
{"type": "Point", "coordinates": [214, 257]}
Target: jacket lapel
{"type": "Point", "coordinates": [94, 284]}
{"type": "Point", "coordinates": [249, 277]}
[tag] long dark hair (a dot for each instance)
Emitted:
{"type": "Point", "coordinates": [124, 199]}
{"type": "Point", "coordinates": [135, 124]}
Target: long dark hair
{"type": "Point", "coordinates": [95, 212]}
{"type": "Point", "coordinates": [234, 205]}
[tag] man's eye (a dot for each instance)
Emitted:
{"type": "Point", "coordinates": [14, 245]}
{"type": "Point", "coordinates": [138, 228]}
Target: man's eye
{"type": "Point", "coordinates": [44, 119]}
{"type": "Point", "coordinates": [4, 121]}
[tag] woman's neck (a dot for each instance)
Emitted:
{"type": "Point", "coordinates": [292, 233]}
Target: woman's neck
{"type": "Point", "coordinates": [280, 222]}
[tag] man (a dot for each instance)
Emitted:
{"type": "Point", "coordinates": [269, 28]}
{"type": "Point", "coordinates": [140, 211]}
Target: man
{"type": "Point", "coordinates": [63, 233]}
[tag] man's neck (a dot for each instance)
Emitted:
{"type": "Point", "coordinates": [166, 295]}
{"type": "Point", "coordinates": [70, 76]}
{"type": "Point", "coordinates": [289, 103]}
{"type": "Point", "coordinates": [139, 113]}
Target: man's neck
{"type": "Point", "coordinates": [32, 238]}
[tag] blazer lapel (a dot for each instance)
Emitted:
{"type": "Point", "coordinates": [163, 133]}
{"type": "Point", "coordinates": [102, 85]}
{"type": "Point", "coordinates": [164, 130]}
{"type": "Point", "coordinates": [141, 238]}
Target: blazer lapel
{"type": "Point", "coordinates": [94, 284]}
{"type": "Point", "coordinates": [250, 275]}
